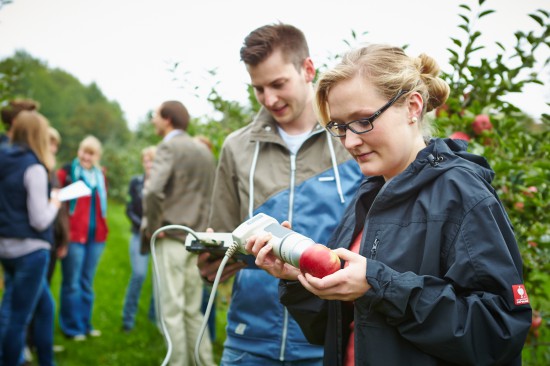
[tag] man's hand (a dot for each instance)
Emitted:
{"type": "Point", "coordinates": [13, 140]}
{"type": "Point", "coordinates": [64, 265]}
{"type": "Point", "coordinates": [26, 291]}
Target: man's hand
{"type": "Point", "coordinates": [209, 263]}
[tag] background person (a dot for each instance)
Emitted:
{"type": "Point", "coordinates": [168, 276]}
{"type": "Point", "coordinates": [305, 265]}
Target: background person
{"type": "Point", "coordinates": [9, 112]}
{"type": "Point", "coordinates": [61, 223]}
{"type": "Point", "coordinates": [88, 233]}
{"type": "Point", "coordinates": [60, 235]}
{"type": "Point", "coordinates": [26, 216]}
{"type": "Point", "coordinates": [178, 192]}
{"type": "Point", "coordinates": [138, 261]}
{"type": "Point", "coordinates": [433, 274]}
{"type": "Point", "coordinates": [280, 164]}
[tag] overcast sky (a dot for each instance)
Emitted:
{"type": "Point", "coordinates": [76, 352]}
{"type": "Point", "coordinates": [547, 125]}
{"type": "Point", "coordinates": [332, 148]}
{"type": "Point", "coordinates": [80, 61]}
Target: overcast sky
{"type": "Point", "coordinates": [128, 46]}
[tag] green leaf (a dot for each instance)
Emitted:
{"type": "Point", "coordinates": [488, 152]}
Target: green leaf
{"type": "Point", "coordinates": [465, 18]}
{"type": "Point", "coordinates": [457, 42]}
{"type": "Point", "coordinates": [465, 27]}
{"type": "Point", "coordinates": [500, 46]}
{"type": "Point", "coordinates": [537, 19]}
{"type": "Point", "coordinates": [453, 52]}
{"type": "Point", "coordinates": [486, 12]}
{"type": "Point", "coordinates": [477, 49]}
{"type": "Point", "coordinates": [464, 6]}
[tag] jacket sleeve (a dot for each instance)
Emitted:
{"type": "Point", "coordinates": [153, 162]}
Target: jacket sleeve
{"type": "Point", "coordinates": [153, 193]}
{"type": "Point", "coordinates": [225, 205]}
{"type": "Point", "coordinates": [470, 315]}
{"type": "Point", "coordinates": [131, 204]}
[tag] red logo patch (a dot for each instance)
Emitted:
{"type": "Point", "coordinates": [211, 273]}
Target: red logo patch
{"type": "Point", "coordinates": [520, 295]}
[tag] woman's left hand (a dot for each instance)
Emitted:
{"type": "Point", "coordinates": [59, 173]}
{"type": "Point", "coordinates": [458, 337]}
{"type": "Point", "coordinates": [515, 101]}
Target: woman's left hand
{"type": "Point", "coordinates": [346, 284]}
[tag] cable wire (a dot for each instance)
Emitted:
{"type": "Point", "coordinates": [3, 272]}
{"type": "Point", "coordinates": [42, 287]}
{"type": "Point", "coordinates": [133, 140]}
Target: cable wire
{"type": "Point", "coordinates": [228, 254]}
{"type": "Point", "coordinates": [156, 277]}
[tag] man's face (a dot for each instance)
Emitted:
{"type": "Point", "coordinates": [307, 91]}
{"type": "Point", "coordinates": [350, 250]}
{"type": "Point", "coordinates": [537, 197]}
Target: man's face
{"type": "Point", "coordinates": [284, 91]}
{"type": "Point", "coordinates": [160, 123]}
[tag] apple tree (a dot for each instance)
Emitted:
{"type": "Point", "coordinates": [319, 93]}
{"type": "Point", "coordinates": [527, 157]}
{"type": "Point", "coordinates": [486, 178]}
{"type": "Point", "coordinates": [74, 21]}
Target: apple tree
{"type": "Point", "coordinates": [516, 145]}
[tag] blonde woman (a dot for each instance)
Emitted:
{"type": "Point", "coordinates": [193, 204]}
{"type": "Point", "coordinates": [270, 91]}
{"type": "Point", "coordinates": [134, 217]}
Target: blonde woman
{"type": "Point", "coordinates": [26, 216]}
{"type": "Point", "coordinates": [87, 236]}
{"type": "Point", "coordinates": [432, 273]}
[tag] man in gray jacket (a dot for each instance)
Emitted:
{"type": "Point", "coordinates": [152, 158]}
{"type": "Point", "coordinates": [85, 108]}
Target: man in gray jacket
{"type": "Point", "coordinates": [178, 192]}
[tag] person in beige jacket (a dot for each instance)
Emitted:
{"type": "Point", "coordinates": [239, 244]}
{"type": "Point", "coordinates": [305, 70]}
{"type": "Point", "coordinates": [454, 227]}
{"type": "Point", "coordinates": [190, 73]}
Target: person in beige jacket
{"type": "Point", "coordinates": [178, 193]}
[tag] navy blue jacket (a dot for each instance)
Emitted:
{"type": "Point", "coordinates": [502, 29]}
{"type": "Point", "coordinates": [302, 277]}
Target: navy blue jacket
{"type": "Point", "coordinates": [14, 216]}
{"type": "Point", "coordinates": [443, 264]}
{"type": "Point", "coordinates": [134, 207]}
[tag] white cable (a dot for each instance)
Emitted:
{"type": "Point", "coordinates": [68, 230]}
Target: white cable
{"type": "Point", "coordinates": [156, 277]}
{"type": "Point", "coordinates": [228, 254]}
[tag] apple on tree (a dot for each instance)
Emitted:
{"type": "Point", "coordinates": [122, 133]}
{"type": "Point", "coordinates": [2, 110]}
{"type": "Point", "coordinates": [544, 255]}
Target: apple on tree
{"type": "Point", "coordinates": [319, 261]}
{"type": "Point", "coordinates": [481, 123]}
{"type": "Point", "coordinates": [459, 135]}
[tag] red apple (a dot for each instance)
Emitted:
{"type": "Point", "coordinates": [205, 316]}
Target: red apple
{"type": "Point", "coordinates": [536, 321]}
{"type": "Point", "coordinates": [532, 244]}
{"type": "Point", "coordinates": [530, 191]}
{"type": "Point", "coordinates": [319, 261]}
{"type": "Point", "coordinates": [481, 123]}
{"type": "Point", "coordinates": [459, 135]}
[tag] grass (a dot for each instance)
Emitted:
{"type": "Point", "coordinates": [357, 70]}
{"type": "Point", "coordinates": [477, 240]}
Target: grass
{"type": "Point", "coordinates": [145, 344]}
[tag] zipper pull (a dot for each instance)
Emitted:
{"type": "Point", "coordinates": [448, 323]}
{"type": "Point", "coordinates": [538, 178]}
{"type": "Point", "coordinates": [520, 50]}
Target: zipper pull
{"type": "Point", "coordinates": [374, 248]}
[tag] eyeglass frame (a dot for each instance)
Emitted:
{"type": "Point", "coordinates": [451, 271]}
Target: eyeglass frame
{"type": "Point", "coordinates": [370, 119]}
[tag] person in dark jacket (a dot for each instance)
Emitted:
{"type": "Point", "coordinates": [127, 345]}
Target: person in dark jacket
{"type": "Point", "coordinates": [432, 273]}
{"type": "Point", "coordinates": [139, 261]}
{"type": "Point", "coordinates": [26, 215]}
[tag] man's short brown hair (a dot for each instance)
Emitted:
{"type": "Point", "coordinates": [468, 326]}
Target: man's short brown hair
{"type": "Point", "coordinates": [175, 112]}
{"type": "Point", "coordinates": [261, 43]}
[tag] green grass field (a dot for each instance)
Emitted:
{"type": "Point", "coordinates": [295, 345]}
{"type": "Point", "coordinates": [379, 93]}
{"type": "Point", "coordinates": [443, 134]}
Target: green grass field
{"type": "Point", "coordinates": [145, 344]}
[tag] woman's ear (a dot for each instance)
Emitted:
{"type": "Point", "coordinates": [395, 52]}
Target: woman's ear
{"type": "Point", "coordinates": [415, 105]}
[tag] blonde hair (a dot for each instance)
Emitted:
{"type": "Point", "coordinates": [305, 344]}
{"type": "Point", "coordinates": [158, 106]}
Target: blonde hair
{"type": "Point", "coordinates": [30, 129]}
{"type": "Point", "coordinates": [390, 70]}
{"type": "Point", "coordinates": [149, 151]}
{"type": "Point", "coordinates": [92, 144]}
{"type": "Point", "coordinates": [204, 140]}
{"type": "Point", "coordinates": [54, 135]}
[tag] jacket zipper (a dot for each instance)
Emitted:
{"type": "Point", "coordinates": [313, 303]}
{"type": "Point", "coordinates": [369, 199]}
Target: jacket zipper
{"type": "Point", "coordinates": [290, 211]}
{"type": "Point", "coordinates": [374, 248]}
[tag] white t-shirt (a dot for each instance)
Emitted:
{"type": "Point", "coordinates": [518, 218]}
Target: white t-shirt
{"type": "Point", "coordinates": [293, 142]}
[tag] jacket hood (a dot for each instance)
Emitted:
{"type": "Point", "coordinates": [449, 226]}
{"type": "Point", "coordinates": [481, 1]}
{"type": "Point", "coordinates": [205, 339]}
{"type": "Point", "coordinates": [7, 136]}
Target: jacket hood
{"type": "Point", "coordinates": [10, 155]}
{"type": "Point", "coordinates": [438, 157]}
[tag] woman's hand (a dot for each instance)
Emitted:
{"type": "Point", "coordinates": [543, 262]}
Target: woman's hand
{"type": "Point", "coordinates": [346, 284]}
{"type": "Point", "coordinates": [258, 246]}
{"type": "Point", "coordinates": [53, 198]}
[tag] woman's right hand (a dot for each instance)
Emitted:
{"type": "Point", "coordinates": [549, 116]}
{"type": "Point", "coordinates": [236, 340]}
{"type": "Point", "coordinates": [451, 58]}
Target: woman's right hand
{"type": "Point", "coordinates": [260, 247]}
{"type": "Point", "coordinates": [53, 198]}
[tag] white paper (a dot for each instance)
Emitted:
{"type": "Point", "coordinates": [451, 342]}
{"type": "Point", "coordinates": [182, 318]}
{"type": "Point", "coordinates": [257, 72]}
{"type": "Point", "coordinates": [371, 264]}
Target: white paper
{"type": "Point", "coordinates": [75, 190]}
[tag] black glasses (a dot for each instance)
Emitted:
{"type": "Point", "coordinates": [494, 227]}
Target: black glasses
{"type": "Point", "coordinates": [363, 125]}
